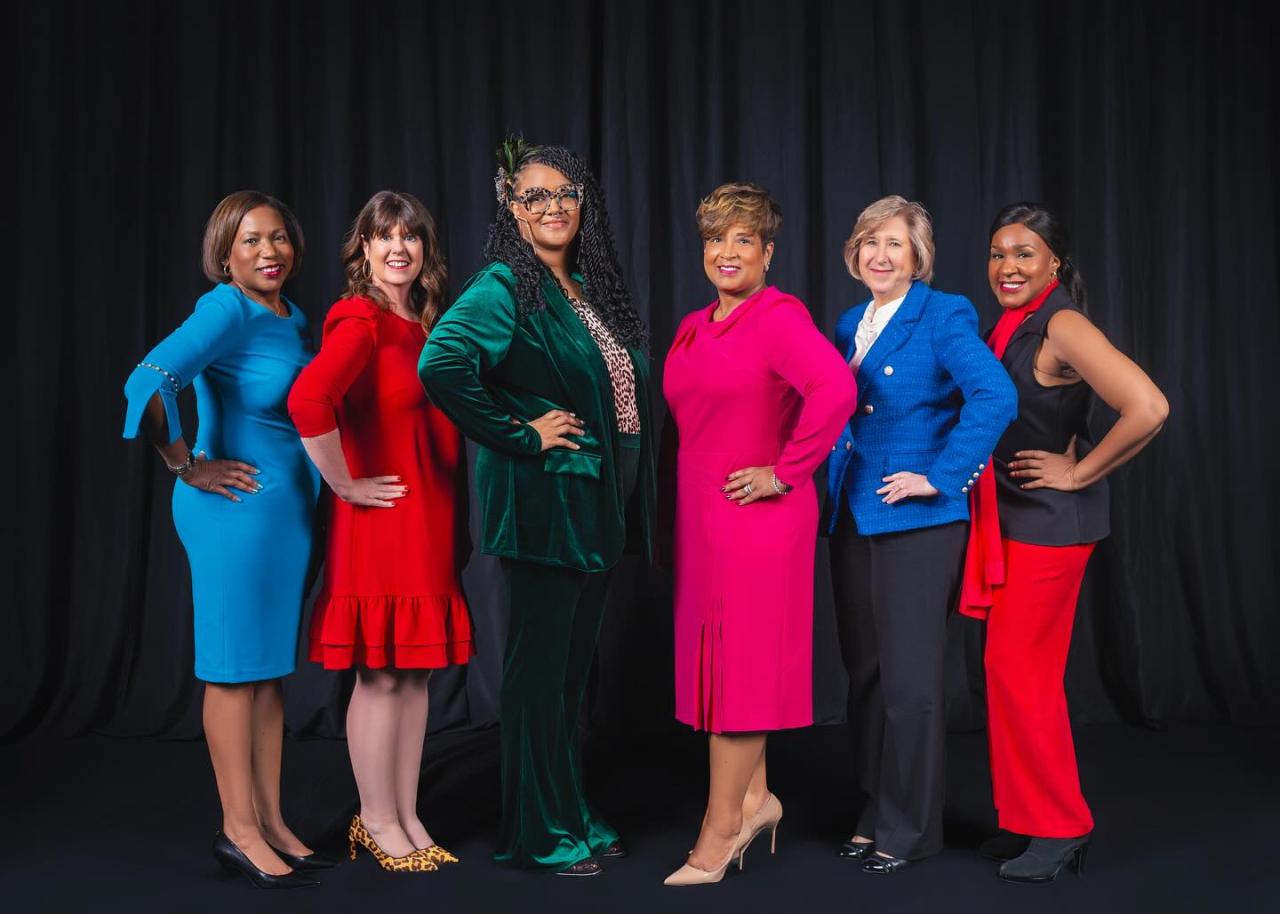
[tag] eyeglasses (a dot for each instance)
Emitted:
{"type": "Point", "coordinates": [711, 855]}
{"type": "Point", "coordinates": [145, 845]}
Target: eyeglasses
{"type": "Point", "coordinates": [538, 200]}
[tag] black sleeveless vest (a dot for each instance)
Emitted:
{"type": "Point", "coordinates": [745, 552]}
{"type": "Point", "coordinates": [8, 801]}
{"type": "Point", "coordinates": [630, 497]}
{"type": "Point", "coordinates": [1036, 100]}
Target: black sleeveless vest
{"type": "Point", "coordinates": [1047, 418]}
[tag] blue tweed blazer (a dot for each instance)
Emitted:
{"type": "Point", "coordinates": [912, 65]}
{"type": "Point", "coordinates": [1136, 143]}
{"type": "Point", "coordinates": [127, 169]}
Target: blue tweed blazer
{"type": "Point", "coordinates": [932, 399]}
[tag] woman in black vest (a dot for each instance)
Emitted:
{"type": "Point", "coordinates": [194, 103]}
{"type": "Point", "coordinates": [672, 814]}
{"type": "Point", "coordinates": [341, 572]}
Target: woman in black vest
{"type": "Point", "coordinates": [1037, 512]}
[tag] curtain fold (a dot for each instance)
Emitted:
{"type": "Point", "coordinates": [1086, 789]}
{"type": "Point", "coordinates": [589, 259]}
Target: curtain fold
{"type": "Point", "coordinates": [1150, 128]}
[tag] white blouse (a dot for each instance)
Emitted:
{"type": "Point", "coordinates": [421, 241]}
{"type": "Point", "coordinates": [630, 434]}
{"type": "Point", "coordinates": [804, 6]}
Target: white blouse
{"type": "Point", "coordinates": [873, 322]}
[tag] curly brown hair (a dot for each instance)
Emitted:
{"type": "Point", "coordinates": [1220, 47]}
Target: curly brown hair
{"type": "Point", "coordinates": [385, 211]}
{"type": "Point", "coordinates": [592, 253]}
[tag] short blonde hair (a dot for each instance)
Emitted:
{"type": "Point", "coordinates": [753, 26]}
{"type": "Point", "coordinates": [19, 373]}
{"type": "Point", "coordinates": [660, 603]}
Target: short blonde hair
{"type": "Point", "coordinates": [739, 203]}
{"type": "Point", "coordinates": [919, 229]}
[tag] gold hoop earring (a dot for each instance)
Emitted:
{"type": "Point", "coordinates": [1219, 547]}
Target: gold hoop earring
{"type": "Point", "coordinates": [226, 268]}
{"type": "Point", "coordinates": [368, 270]}
{"type": "Point", "coordinates": [1053, 275]}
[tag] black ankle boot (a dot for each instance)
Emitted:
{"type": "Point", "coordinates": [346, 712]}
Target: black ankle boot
{"type": "Point", "coordinates": [1044, 857]}
{"type": "Point", "coordinates": [1004, 846]}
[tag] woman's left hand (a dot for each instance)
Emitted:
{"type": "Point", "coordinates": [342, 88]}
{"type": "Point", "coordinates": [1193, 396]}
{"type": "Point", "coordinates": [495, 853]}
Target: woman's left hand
{"type": "Point", "coordinates": [1045, 469]}
{"type": "Point", "coordinates": [750, 484]}
{"type": "Point", "coordinates": [905, 485]}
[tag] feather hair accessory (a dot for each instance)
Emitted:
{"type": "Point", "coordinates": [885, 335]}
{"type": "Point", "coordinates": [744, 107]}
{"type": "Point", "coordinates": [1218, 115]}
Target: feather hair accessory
{"type": "Point", "coordinates": [511, 154]}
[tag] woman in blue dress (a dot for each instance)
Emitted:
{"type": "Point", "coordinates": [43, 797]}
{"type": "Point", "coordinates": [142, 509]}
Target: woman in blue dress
{"type": "Point", "coordinates": [243, 505]}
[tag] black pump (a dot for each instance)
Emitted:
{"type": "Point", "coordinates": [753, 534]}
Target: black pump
{"type": "Point", "coordinates": [231, 857]}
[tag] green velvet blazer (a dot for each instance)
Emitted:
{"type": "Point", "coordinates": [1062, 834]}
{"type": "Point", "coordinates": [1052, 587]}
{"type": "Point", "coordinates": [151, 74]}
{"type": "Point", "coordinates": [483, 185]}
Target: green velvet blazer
{"type": "Point", "coordinates": [484, 366]}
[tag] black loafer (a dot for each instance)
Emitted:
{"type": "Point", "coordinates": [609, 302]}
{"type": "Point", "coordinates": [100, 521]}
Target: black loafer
{"type": "Point", "coordinates": [614, 850]}
{"type": "Point", "coordinates": [853, 850]}
{"type": "Point", "coordinates": [313, 861]}
{"type": "Point", "coordinates": [589, 867]}
{"type": "Point", "coordinates": [883, 866]}
{"type": "Point", "coordinates": [234, 860]}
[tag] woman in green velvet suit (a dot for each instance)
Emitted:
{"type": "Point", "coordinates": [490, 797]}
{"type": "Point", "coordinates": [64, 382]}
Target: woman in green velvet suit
{"type": "Point", "coordinates": [541, 361]}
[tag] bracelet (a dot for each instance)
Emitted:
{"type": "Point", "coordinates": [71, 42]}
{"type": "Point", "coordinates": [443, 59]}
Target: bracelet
{"type": "Point", "coordinates": [185, 467]}
{"type": "Point", "coordinates": [780, 487]}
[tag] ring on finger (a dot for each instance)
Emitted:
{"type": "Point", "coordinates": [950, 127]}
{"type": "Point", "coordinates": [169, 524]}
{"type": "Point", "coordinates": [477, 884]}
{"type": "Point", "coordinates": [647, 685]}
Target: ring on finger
{"type": "Point", "coordinates": [747, 489]}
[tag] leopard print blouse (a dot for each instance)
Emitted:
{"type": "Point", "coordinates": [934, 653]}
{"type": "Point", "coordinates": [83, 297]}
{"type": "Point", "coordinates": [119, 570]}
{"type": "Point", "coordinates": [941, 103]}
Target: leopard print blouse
{"type": "Point", "coordinates": [618, 361]}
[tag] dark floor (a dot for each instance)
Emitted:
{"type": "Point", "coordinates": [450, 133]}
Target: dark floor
{"type": "Point", "coordinates": [1187, 821]}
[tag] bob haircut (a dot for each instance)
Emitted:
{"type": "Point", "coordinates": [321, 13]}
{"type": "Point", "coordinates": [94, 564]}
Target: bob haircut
{"type": "Point", "coordinates": [739, 203]}
{"type": "Point", "coordinates": [385, 211]}
{"type": "Point", "coordinates": [220, 231]}
{"type": "Point", "coordinates": [919, 230]}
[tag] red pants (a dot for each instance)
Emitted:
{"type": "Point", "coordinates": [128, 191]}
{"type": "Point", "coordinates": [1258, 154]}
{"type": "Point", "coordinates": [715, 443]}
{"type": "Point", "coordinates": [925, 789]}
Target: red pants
{"type": "Point", "coordinates": [1033, 761]}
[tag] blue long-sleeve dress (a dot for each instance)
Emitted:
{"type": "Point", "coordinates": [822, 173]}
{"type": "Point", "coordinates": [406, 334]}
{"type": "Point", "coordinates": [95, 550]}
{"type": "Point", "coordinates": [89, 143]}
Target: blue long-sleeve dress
{"type": "Point", "coordinates": [248, 558]}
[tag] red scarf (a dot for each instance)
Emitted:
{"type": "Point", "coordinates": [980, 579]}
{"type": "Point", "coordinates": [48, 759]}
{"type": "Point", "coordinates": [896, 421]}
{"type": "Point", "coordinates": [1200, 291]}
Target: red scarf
{"type": "Point", "coordinates": [984, 556]}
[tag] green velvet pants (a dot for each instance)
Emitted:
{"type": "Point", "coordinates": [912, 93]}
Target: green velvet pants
{"type": "Point", "coordinates": [555, 616]}
{"type": "Point", "coordinates": [555, 619]}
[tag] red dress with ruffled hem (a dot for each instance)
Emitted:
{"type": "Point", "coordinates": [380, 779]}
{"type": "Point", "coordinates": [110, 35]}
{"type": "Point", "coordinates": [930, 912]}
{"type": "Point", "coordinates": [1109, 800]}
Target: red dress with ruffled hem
{"type": "Point", "coordinates": [392, 596]}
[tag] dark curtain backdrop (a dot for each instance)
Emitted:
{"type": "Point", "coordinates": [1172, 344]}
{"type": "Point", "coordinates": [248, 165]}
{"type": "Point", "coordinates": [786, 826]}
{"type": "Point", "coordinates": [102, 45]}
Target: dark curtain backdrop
{"type": "Point", "coordinates": [1153, 131]}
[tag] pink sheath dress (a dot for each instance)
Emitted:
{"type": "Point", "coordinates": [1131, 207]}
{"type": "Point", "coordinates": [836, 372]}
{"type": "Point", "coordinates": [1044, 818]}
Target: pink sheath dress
{"type": "Point", "coordinates": [762, 387]}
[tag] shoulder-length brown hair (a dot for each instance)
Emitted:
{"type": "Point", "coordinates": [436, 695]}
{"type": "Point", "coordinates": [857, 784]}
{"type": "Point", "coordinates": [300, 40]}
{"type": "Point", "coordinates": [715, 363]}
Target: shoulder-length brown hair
{"type": "Point", "coordinates": [385, 211]}
{"type": "Point", "coordinates": [220, 231]}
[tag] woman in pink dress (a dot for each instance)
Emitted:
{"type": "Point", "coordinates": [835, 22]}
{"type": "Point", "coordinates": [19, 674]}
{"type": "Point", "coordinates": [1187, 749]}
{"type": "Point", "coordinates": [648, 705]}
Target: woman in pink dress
{"type": "Point", "coordinates": [757, 397]}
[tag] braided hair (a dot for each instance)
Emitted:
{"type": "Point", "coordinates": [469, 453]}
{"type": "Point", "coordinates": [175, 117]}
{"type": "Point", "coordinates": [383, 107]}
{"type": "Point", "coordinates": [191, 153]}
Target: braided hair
{"type": "Point", "coordinates": [1041, 220]}
{"type": "Point", "coordinates": [592, 252]}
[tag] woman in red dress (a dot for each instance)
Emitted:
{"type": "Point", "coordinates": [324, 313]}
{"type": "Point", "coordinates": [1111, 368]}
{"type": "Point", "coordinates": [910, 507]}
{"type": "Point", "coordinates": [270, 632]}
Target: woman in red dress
{"type": "Point", "coordinates": [392, 603]}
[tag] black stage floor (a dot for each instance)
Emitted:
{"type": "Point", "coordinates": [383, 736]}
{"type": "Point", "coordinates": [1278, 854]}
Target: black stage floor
{"type": "Point", "coordinates": [1187, 821]}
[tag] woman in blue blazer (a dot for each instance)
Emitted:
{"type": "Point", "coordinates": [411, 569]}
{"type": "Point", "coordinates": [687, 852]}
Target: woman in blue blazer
{"type": "Point", "coordinates": [932, 402]}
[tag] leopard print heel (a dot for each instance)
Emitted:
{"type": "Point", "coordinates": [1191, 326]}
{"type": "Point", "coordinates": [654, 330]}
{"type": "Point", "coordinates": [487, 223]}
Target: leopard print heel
{"type": "Point", "coordinates": [415, 862]}
{"type": "Point", "coordinates": [437, 854]}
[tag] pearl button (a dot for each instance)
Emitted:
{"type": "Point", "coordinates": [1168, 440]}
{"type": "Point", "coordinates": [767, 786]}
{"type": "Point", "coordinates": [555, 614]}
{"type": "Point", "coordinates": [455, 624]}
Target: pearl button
{"type": "Point", "coordinates": [888, 369]}
{"type": "Point", "coordinates": [833, 447]}
{"type": "Point", "coordinates": [848, 445]}
{"type": "Point", "coordinates": [868, 409]}
{"type": "Point", "coordinates": [964, 490]}
{"type": "Point", "coordinates": [982, 466]}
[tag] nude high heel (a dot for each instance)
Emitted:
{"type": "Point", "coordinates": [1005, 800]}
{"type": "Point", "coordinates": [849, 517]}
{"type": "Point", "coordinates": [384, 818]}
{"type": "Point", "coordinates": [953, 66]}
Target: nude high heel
{"type": "Point", "coordinates": [691, 875]}
{"type": "Point", "coordinates": [767, 816]}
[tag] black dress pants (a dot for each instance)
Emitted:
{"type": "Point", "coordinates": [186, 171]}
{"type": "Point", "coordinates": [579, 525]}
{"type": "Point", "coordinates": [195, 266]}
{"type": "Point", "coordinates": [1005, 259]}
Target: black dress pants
{"type": "Point", "coordinates": [893, 593]}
